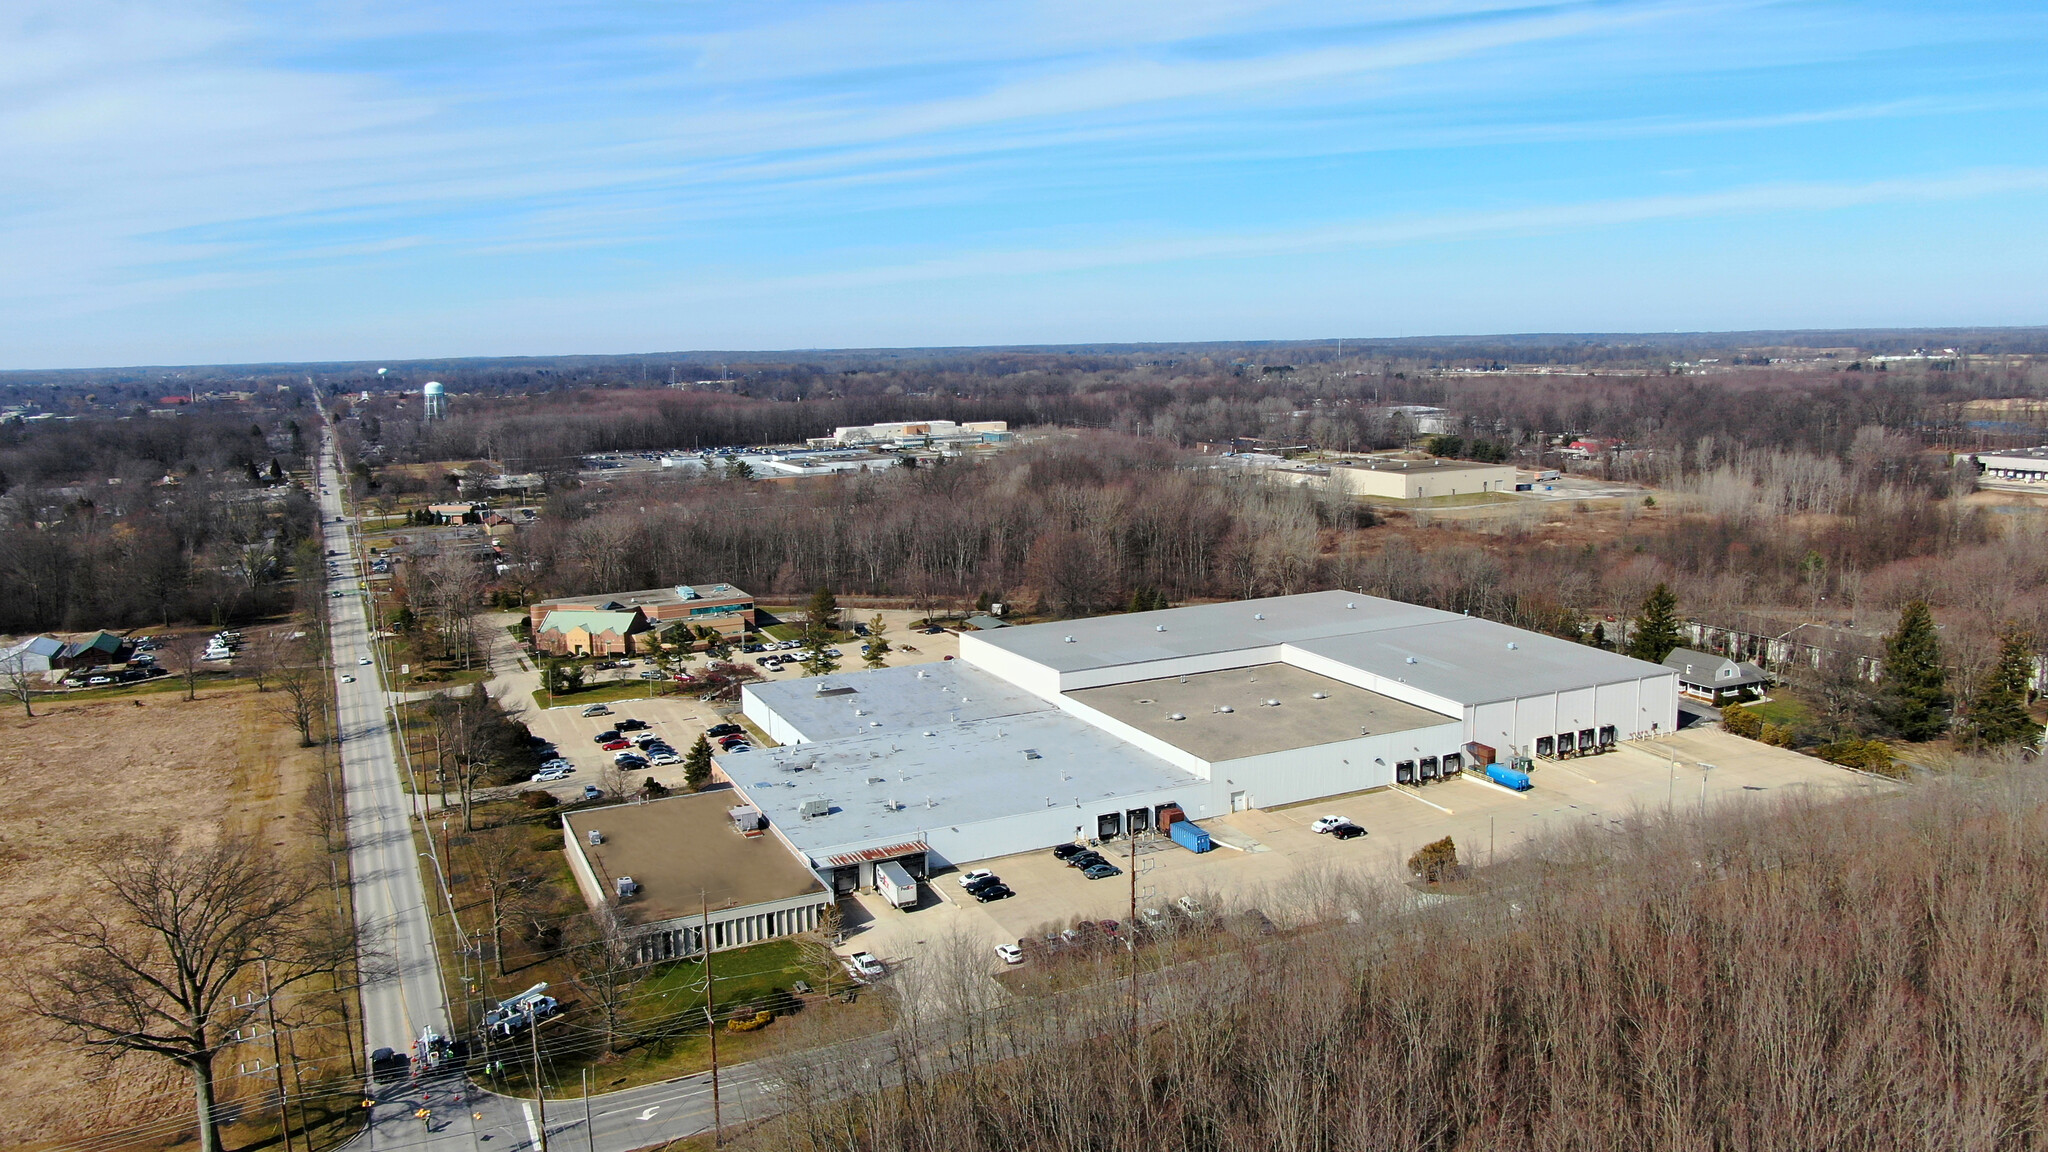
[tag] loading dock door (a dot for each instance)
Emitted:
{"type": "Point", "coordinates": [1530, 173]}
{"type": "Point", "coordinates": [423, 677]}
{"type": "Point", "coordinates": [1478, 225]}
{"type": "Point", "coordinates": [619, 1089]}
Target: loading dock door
{"type": "Point", "coordinates": [1138, 820]}
{"type": "Point", "coordinates": [1109, 825]}
{"type": "Point", "coordinates": [845, 880]}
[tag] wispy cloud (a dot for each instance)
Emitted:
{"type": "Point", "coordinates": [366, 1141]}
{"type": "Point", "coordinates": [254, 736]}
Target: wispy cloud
{"type": "Point", "coordinates": [181, 155]}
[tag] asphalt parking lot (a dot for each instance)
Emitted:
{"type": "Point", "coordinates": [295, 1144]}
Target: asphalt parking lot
{"type": "Point", "coordinates": [1271, 852]}
{"type": "Point", "coordinates": [677, 719]}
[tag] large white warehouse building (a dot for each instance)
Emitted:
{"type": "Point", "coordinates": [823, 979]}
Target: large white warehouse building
{"type": "Point", "coordinates": [1043, 733]}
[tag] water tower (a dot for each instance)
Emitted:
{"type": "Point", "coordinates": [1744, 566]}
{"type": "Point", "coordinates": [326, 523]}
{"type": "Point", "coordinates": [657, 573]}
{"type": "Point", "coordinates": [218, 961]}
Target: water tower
{"type": "Point", "coordinates": [436, 400]}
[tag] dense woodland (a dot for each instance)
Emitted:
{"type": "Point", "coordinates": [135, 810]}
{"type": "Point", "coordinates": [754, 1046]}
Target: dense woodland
{"type": "Point", "coordinates": [1857, 974]}
{"type": "Point", "coordinates": [112, 522]}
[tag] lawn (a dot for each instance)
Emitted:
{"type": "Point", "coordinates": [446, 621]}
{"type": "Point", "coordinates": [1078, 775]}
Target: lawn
{"type": "Point", "coordinates": [605, 692]}
{"type": "Point", "coordinates": [666, 1023]}
{"type": "Point", "coordinates": [1782, 711]}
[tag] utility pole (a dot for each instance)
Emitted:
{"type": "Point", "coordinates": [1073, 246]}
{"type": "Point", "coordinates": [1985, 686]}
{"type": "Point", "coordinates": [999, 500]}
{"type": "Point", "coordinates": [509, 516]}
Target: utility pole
{"type": "Point", "coordinates": [284, 1119]}
{"type": "Point", "coordinates": [711, 1028]}
{"type": "Point", "coordinates": [540, 1096]}
{"type": "Point", "coordinates": [1131, 946]}
{"type": "Point", "coordinates": [587, 1133]}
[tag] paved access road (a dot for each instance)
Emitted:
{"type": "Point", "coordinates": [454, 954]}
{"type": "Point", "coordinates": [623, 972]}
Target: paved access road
{"type": "Point", "coordinates": [395, 920]}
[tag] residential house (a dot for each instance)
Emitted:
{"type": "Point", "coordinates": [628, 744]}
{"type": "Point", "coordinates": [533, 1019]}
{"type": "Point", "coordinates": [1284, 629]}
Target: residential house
{"type": "Point", "coordinates": [1717, 679]}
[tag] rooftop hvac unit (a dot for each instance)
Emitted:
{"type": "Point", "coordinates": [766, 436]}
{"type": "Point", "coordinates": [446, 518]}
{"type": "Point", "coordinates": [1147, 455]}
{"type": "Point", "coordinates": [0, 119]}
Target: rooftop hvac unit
{"type": "Point", "coordinates": [626, 886]}
{"type": "Point", "coordinates": [813, 809]}
{"type": "Point", "coordinates": [1319, 695]}
{"type": "Point", "coordinates": [596, 837]}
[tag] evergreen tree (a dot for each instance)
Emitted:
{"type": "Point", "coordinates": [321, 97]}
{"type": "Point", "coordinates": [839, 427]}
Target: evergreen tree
{"type": "Point", "coordinates": [1656, 632]}
{"type": "Point", "coordinates": [697, 764]}
{"type": "Point", "coordinates": [818, 659]}
{"type": "Point", "coordinates": [878, 643]}
{"type": "Point", "coordinates": [823, 611]}
{"type": "Point", "coordinates": [1998, 716]}
{"type": "Point", "coordinates": [1913, 697]}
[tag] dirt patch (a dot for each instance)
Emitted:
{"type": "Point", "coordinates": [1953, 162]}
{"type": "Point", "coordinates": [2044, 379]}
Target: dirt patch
{"type": "Point", "coordinates": [79, 777]}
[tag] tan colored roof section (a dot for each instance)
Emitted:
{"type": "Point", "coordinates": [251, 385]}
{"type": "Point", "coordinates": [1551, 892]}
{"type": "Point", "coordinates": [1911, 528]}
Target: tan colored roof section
{"type": "Point", "coordinates": [680, 845]}
{"type": "Point", "coordinates": [1253, 727]}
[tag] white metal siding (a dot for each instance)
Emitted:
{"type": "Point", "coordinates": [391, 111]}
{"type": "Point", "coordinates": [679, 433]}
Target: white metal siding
{"type": "Point", "coordinates": [1299, 774]}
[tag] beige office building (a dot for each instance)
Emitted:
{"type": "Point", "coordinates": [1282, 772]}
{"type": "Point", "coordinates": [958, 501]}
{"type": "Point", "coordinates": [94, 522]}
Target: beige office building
{"type": "Point", "coordinates": [1420, 479]}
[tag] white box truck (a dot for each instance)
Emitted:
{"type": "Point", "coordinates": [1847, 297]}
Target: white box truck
{"type": "Point", "coordinates": [895, 884]}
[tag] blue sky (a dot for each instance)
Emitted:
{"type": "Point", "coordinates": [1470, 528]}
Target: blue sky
{"type": "Point", "coordinates": [207, 181]}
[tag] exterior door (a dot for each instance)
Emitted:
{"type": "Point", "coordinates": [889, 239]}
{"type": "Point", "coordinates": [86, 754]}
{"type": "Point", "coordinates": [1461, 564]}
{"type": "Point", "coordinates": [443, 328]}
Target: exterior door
{"type": "Point", "coordinates": [1238, 802]}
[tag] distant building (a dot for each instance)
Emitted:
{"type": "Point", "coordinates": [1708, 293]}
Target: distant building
{"type": "Point", "coordinates": [35, 654]}
{"type": "Point", "coordinates": [918, 434]}
{"type": "Point", "coordinates": [720, 606]}
{"type": "Point", "coordinates": [2016, 465]}
{"type": "Point", "coordinates": [456, 513]}
{"type": "Point", "coordinates": [1420, 479]}
{"type": "Point", "coordinates": [582, 633]}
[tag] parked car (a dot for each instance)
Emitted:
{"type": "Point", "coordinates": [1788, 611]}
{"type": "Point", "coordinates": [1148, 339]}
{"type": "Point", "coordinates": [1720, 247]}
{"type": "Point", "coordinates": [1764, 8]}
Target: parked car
{"type": "Point", "coordinates": [654, 674]}
{"type": "Point", "coordinates": [1086, 859]}
{"type": "Point", "coordinates": [970, 879]}
{"type": "Point", "coordinates": [717, 730]}
{"type": "Point", "coordinates": [615, 745]}
{"type": "Point", "coordinates": [1329, 824]}
{"type": "Point", "coordinates": [630, 760]}
{"type": "Point", "coordinates": [864, 966]}
{"type": "Point", "coordinates": [1101, 871]}
{"type": "Point", "coordinates": [1067, 851]}
{"type": "Point", "coordinates": [348, 679]}
{"type": "Point", "coordinates": [363, 660]}
{"type": "Point", "coordinates": [984, 882]}
{"type": "Point", "coordinates": [1010, 953]}
{"type": "Point", "coordinates": [729, 741]}
{"type": "Point", "coordinates": [742, 746]}
{"type": "Point", "coordinates": [1347, 832]}
{"type": "Point", "coordinates": [92, 680]}
{"type": "Point", "coordinates": [597, 710]}
{"type": "Point", "coordinates": [664, 759]}
{"type": "Point", "coordinates": [1192, 907]}
{"type": "Point", "coordinates": [546, 775]}
{"type": "Point", "coordinates": [989, 892]}
{"type": "Point", "coordinates": [629, 724]}
{"type": "Point", "coordinates": [557, 762]}
{"type": "Point", "coordinates": [592, 792]}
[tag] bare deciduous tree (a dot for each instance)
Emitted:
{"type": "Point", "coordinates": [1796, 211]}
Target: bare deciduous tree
{"type": "Point", "coordinates": [184, 655]}
{"type": "Point", "coordinates": [155, 964]}
{"type": "Point", "coordinates": [302, 689]}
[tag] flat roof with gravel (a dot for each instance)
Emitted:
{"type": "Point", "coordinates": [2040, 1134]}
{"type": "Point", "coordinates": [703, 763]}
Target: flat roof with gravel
{"type": "Point", "coordinates": [1311, 710]}
{"type": "Point", "coordinates": [680, 846]}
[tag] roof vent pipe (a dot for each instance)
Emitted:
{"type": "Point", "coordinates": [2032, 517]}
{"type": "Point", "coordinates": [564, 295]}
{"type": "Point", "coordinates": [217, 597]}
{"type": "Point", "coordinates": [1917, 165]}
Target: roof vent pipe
{"type": "Point", "coordinates": [1069, 639]}
{"type": "Point", "coordinates": [1272, 703]}
{"type": "Point", "coordinates": [1319, 695]}
{"type": "Point", "coordinates": [1176, 716]}
{"type": "Point", "coordinates": [1512, 645]}
{"type": "Point", "coordinates": [1159, 627]}
{"type": "Point", "coordinates": [1352, 604]}
{"type": "Point", "coordinates": [1411, 659]}
{"type": "Point", "coordinates": [1258, 615]}
{"type": "Point", "coordinates": [1225, 708]}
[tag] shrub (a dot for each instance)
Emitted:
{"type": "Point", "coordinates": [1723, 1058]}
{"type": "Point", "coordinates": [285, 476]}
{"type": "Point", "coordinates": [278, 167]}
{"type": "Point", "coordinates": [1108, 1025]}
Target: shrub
{"type": "Point", "coordinates": [1869, 755]}
{"type": "Point", "coordinates": [1742, 722]}
{"type": "Point", "coordinates": [754, 1023]}
{"type": "Point", "coordinates": [538, 799]}
{"type": "Point", "coordinates": [1436, 861]}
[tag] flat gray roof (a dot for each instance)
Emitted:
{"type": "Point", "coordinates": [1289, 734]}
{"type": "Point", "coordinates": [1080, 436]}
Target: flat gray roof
{"type": "Point", "coordinates": [1469, 660]}
{"type": "Point", "coordinates": [892, 700]}
{"type": "Point", "coordinates": [1419, 465]}
{"type": "Point", "coordinates": [961, 774]}
{"type": "Point", "coordinates": [683, 844]}
{"type": "Point", "coordinates": [1135, 637]}
{"type": "Point", "coordinates": [1252, 726]}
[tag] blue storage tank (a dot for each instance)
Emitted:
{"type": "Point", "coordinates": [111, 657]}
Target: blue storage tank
{"type": "Point", "coordinates": [1508, 777]}
{"type": "Point", "coordinates": [1188, 836]}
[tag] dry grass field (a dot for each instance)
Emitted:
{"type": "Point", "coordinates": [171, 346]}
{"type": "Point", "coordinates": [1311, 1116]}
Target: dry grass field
{"type": "Point", "coordinates": [78, 779]}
